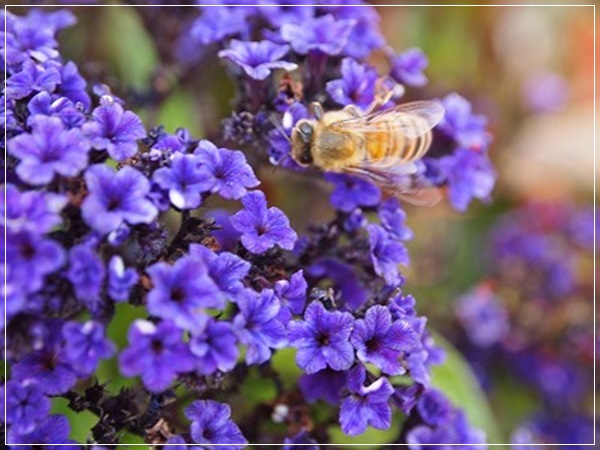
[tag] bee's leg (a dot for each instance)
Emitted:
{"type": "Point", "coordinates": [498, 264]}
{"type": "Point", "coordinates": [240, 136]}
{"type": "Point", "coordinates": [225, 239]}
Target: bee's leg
{"type": "Point", "coordinates": [317, 110]}
{"type": "Point", "coordinates": [379, 102]}
{"type": "Point", "coordinates": [352, 110]}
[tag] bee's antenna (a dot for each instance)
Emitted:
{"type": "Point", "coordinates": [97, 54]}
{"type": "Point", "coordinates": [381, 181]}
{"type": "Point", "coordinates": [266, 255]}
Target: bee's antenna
{"type": "Point", "coordinates": [317, 110]}
{"type": "Point", "coordinates": [277, 124]}
{"type": "Point", "coordinates": [278, 163]}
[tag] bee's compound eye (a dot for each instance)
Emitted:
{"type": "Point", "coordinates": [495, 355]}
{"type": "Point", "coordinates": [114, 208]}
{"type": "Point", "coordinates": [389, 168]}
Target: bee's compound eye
{"type": "Point", "coordinates": [306, 131]}
{"type": "Point", "coordinates": [305, 128]}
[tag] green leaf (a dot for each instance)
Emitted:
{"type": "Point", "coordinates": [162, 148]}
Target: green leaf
{"type": "Point", "coordinates": [125, 44]}
{"type": "Point", "coordinates": [284, 363]}
{"type": "Point", "coordinates": [513, 403]}
{"type": "Point", "coordinates": [130, 438]}
{"type": "Point", "coordinates": [377, 438]}
{"type": "Point", "coordinates": [81, 422]}
{"type": "Point", "coordinates": [257, 389]}
{"type": "Point", "coordinates": [108, 370]}
{"type": "Point", "coordinates": [455, 379]}
{"type": "Point", "coordinates": [179, 110]}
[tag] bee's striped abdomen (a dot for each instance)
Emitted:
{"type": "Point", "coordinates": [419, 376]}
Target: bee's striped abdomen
{"type": "Point", "coordinates": [390, 144]}
{"type": "Point", "coordinates": [414, 147]}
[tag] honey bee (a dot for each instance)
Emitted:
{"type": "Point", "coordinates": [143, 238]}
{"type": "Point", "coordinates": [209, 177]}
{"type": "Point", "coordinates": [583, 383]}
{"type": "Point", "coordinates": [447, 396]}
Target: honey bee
{"type": "Point", "coordinates": [379, 146]}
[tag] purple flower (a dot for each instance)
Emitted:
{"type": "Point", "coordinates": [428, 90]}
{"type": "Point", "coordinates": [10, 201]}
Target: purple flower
{"type": "Point", "coordinates": [417, 364]}
{"type": "Point", "coordinates": [262, 228]}
{"type": "Point", "coordinates": [356, 87]}
{"type": "Point", "coordinates": [443, 424]}
{"type": "Point", "coordinates": [114, 130]}
{"type": "Point", "coordinates": [72, 85]}
{"type": "Point", "coordinates": [469, 175]}
{"type": "Point", "coordinates": [120, 279]}
{"type": "Point", "coordinates": [212, 424]}
{"type": "Point", "coordinates": [258, 59]}
{"type": "Point", "coordinates": [26, 405]}
{"type": "Point", "coordinates": [366, 405]}
{"type": "Point", "coordinates": [582, 226]}
{"type": "Point", "coordinates": [46, 104]}
{"type": "Point", "coordinates": [423, 437]}
{"type": "Point", "coordinates": [86, 345]}
{"type": "Point", "coordinates": [215, 347]}
{"type": "Point", "coordinates": [322, 339]}
{"type": "Point", "coordinates": [49, 150]}
{"type": "Point", "coordinates": [482, 316]}
{"type": "Point", "coordinates": [52, 430]}
{"type": "Point", "coordinates": [228, 170]}
{"type": "Point", "coordinates": [115, 198]}
{"type": "Point", "coordinates": [406, 397]}
{"type": "Point", "coordinates": [180, 292]}
{"type": "Point", "coordinates": [177, 442]}
{"type": "Point", "coordinates": [49, 365]}
{"type": "Point", "coordinates": [293, 293]}
{"type": "Point", "coordinates": [434, 408]}
{"type": "Point", "coordinates": [218, 23]}
{"type": "Point", "coordinates": [169, 144]}
{"type": "Point", "coordinates": [300, 438]}
{"type": "Point", "coordinates": [393, 219]}
{"type": "Point", "coordinates": [31, 258]}
{"type": "Point", "coordinates": [365, 36]}
{"type": "Point", "coordinates": [324, 385]}
{"type": "Point", "coordinates": [408, 66]}
{"type": "Point", "coordinates": [352, 292]}
{"type": "Point", "coordinates": [386, 254]}
{"type": "Point", "coordinates": [467, 129]}
{"type": "Point", "coordinates": [156, 353]}
{"type": "Point", "coordinates": [257, 325]}
{"type": "Point", "coordinates": [402, 305]}
{"type": "Point", "coordinates": [545, 92]}
{"type": "Point", "coordinates": [13, 291]}
{"type": "Point", "coordinates": [33, 211]}
{"type": "Point", "coordinates": [355, 221]}
{"type": "Point", "coordinates": [323, 34]}
{"type": "Point", "coordinates": [569, 429]}
{"type": "Point", "coordinates": [185, 180]}
{"type": "Point", "coordinates": [7, 111]}
{"type": "Point", "coordinates": [381, 342]}
{"type": "Point", "coordinates": [86, 273]}
{"type": "Point", "coordinates": [227, 236]}
{"type": "Point", "coordinates": [27, 39]}
{"type": "Point", "coordinates": [467, 434]}
{"type": "Point", "coordinates": [278, 15]}
{"type": "Point", "coordinates": [351, 192]}
{"type": "Point", "coordinates": [51, 21]}
{"type": "Point", "coordinates": [279, 138]}
{"type": "Point", "coordinates": [226, 269]}
{"type": "Point", "coordinates": [32, 78]}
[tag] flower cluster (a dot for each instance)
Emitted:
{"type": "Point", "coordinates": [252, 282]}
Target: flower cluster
{"type": "Point", "coordinates": [322, 52]}
{"type": "Point", "coordinates": [436, 422]}
{"type": "Point", "coordinates": [76, 227]}
{"type": "Point", "coordinates": [88, 194]}
{"type": "Point", "coordinates": [541, 256]}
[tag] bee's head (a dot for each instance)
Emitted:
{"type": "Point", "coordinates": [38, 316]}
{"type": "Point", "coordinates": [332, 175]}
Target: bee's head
{"type": "Point", "coordinates": [302, 137]}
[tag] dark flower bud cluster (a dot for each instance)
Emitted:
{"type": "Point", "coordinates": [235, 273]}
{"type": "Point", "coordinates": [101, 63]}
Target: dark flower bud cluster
{"type": "Point", "coordinates": [533, 315]}
{"type": "Point", "coordinates": [87, 197]}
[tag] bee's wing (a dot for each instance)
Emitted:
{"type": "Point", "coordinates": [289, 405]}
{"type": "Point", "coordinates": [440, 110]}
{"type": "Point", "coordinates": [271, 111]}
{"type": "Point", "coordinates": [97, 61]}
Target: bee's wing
{"type": "Point", "coordinates": [400, 181]}
{"type": "Point", "coordinates": [411, 119]}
